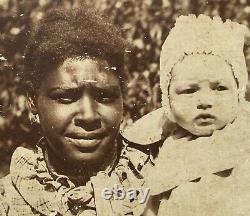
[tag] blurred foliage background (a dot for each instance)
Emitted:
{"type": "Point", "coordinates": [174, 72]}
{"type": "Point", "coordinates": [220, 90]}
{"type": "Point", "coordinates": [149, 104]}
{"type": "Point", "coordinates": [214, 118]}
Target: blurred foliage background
{"type": "Point", "coordinates": [145, 23]}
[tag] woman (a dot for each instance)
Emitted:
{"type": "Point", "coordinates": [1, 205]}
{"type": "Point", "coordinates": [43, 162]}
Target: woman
{"type": "Point", "coordinates": [75, 85]}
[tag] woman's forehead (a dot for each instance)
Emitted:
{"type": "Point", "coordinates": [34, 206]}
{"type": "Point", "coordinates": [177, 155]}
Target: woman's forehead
{"type": "Point", "coordinates": [76, 72]}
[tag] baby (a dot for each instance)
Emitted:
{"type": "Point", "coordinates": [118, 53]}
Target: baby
{"type": "Point", "coordinates": [202, 166]}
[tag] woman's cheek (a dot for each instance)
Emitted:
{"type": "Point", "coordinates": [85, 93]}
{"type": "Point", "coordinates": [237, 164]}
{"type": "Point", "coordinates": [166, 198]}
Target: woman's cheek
{"type": "Point", "coordinates": [111, 114]}
{"type": "Point", "coordinates": [56, 117]}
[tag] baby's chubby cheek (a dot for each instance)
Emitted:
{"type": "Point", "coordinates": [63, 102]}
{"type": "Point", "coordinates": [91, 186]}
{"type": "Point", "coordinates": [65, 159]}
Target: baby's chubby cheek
{"type": "Point", "coordinates": [182, 112]}
{"type": "Point", "coordinates": [226, 108]}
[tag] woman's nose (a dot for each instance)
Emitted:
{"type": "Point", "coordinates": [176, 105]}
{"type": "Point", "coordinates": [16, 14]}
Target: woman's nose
{"type": "Point", "coordinates": [88, 117]}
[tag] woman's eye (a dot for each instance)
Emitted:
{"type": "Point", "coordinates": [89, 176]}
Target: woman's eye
{"type": "Point", "coordinates": [106, 97]}
{"type": "Point", "coordinates": [221, 88]}
{"type": "Point", "coordinates": [66, 98]}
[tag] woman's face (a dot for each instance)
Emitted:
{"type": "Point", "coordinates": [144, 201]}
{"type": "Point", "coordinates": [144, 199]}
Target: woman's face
{"type": "Point", "coordinates": [203, 94]}
{"type": "Point", "coordinates": [80, 110]}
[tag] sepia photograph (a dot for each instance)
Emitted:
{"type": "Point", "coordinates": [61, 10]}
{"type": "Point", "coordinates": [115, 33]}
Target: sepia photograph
{"type": "Point", "coordinates": [124, 108]}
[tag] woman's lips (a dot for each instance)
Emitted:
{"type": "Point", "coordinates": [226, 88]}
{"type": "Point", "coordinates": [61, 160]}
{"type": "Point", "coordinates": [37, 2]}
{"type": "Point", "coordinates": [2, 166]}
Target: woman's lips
{"type": "Point", "coordinates": [86, 135]}
{"type": "Point", "coordinates": [86, 140]}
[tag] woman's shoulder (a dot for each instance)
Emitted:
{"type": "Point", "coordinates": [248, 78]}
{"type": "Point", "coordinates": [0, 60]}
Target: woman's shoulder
{"type": "Point", "coordinates": [9, 197]}
{"type": "Point", "coordinates": [4, 206]}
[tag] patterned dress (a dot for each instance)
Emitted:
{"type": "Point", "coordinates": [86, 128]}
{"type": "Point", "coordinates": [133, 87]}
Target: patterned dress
{"type": "Point", "coordinates": [32, 189]}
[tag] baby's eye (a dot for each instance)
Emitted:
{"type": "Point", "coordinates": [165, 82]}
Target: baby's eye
{"type": "Point", "coordinates": [188, 91]}
{"type": "Point", "coordinates": [221, 88]}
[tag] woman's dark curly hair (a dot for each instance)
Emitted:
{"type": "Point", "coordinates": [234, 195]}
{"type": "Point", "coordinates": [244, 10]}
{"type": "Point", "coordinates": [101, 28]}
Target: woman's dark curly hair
{"type": "Point", "coordinates": [63, 34]}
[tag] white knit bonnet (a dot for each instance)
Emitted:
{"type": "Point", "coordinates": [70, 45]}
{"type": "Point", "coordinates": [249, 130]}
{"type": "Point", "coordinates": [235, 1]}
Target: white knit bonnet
{"type": "Point", "coordinates": [202, 35]}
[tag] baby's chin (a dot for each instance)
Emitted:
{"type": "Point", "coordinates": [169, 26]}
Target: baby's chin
{"type": "Point", "coordinates": [205, 131]}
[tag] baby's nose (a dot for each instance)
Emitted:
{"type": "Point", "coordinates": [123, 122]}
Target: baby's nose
{"type": "Point", "coordinates": [205, 101]}
{"type": "Point", "coordinates": [204, 106]}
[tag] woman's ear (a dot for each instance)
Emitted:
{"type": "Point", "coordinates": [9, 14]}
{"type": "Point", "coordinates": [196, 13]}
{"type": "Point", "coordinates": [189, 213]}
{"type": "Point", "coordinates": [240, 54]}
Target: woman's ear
{"type": "Point", "coordinates": [31, 103]}
{"type": "Point", "coordinates": [31, 97]}
{"type": "Point", "coordinates": [33, 115]}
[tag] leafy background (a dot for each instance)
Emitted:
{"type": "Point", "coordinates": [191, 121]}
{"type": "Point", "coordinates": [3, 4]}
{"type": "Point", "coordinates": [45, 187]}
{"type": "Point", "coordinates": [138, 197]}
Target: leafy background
{"type": "Point", "coordinates": [145, 23]}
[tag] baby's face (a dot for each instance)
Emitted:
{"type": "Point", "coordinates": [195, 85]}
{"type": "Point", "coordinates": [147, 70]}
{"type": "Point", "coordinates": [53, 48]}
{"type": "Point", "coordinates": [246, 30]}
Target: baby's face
{"type": "Point", "coordinates": [203, 94]}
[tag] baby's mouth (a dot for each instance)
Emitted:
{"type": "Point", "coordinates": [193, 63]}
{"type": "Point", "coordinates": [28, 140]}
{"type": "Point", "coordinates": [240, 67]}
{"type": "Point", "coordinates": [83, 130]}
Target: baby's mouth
{"type": "Point", "coordinates": [205, 119]}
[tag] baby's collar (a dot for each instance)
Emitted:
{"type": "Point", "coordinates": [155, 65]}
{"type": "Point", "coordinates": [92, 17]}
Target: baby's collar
{"type": "Point", "coordinates": [147, 130]}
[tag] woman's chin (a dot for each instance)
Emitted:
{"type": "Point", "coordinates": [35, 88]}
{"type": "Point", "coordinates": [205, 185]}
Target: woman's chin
{"type": "Point", "coordinates": [86, 158]}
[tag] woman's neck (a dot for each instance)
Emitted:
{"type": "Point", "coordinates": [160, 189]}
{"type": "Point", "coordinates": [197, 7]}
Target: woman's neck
{"type": "Point", "coordinates": [78, 174]}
